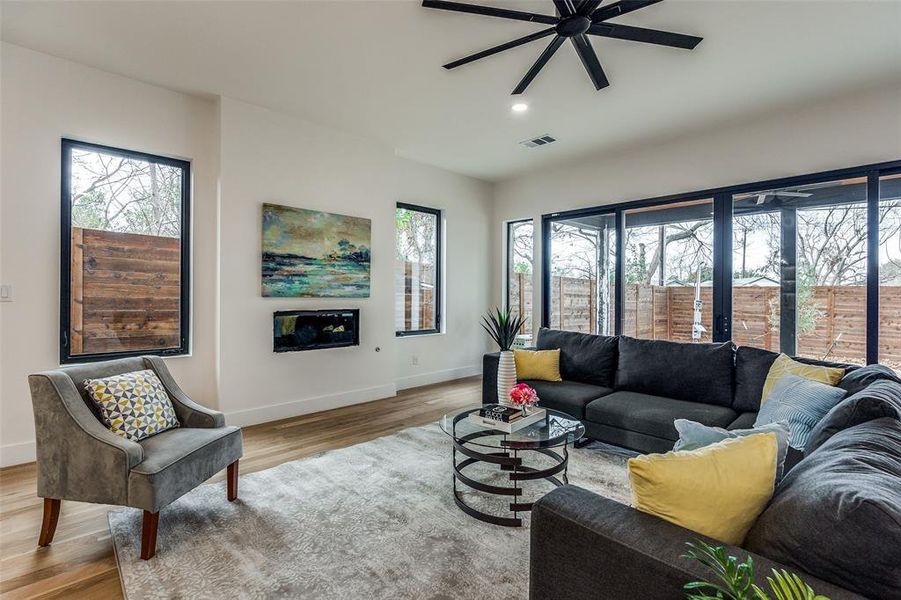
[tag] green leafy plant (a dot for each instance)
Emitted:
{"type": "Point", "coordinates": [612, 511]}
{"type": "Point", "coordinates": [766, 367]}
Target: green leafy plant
{"type": "Point", "coordinates": [735, 580]}
{"type": "Point", "coordinates": [502, 326]}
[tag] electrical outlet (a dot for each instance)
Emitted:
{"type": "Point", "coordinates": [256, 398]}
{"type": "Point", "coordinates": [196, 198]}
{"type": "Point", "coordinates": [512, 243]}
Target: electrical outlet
{"type": "Point", "coordinates": [6, 293]}
{"type": "Point", "coordinates": [415, 360]}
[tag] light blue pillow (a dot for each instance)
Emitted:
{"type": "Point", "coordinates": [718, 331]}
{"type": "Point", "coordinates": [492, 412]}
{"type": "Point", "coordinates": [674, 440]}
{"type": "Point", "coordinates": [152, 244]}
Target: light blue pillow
{"type": "Point", "coordinates": [694, 435]}
{"type": "Point", "coordinates": [800, 401]}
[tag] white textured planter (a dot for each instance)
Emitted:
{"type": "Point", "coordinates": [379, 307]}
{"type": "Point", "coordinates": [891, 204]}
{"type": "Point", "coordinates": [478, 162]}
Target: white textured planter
{"type": "Point", "coordinates": [506, 376]}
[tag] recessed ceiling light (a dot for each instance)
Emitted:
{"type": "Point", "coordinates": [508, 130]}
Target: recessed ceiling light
{"type": "Point", "coordinates": [519, 107]}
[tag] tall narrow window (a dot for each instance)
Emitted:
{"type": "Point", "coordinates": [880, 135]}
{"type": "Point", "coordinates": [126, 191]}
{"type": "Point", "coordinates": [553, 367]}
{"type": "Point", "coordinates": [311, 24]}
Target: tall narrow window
{"type": "Point", "coordinates": [125, 224]}
{"type": "Point", "coordinates": [890, 271]}
{"type": "Point", "coordinates": [417, 280]}
{"type": "Point", "coordinates": [520, 243]}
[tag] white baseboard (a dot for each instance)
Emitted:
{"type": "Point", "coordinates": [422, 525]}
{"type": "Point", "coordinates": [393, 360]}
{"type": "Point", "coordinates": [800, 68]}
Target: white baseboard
{"type": "Point", "coordinates": [294, 408]}
{"type": "Point", "coordinates": [24, 452]}
{"type": "Point", "coordinates": [16, 454]}
{"type": "Point", "coordinates": [411, 381]}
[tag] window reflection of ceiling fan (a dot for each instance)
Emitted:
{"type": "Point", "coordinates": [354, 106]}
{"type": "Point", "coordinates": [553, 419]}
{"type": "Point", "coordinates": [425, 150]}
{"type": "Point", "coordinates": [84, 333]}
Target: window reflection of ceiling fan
{"type": "Point", "coordinates": [773, 194]}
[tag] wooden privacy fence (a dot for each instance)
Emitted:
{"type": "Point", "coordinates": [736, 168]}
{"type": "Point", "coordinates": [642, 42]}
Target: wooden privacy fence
{"type": "Point", "coordinates": [125, 291]}
{"type": "Point", "coordinates": [416, 309]}
{"type": "Point", "coordinates": [660, 312]}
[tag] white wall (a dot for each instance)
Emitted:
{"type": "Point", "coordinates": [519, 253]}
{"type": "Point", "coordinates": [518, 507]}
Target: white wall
{"type": "Point", "coordinates": [45, 99]}
{"type": "Point", "coordinates": [852, 130]}
{"type": "Point", "coordinates": [242, 156]}
{"type": "Point", "coordinates": [271, 157]}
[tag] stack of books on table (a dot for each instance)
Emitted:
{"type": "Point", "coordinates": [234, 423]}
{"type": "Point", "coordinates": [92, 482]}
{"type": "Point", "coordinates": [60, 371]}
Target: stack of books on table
{"type": "Point", "coordinates": [506, 418]}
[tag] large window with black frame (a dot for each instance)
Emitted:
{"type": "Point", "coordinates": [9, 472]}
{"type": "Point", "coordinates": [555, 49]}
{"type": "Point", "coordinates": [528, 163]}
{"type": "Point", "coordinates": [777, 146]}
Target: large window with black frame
{"type": "Point", "coordinates": [808, 265]}
{"type": "Point", "coordinates": [125, 253]}
{"type": "Point", "coordinates": [520, 285]}
{"type": "Point", "coordinates": [417, 277]}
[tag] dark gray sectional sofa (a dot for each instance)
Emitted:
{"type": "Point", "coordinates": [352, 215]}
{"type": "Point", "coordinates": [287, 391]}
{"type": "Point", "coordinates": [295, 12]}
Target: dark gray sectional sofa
{"type": "Point", "coordinates": [628, 391]}
{"type": "Point", "coordinates": [834, 519]}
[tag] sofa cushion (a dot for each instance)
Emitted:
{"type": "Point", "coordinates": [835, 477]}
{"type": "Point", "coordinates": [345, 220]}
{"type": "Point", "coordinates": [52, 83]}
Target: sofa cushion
{"type": "Point", "coordinates": [752, 365]}
{"type": "Point", "coordinates": [654, 415]}
{"type": "Point", "coordinates": [570, 397]}
{"type": "Point", "coordinates": [177, 461]}
{"type": "Point", "coordinates": [802, 403]}
{"type": "Point", "coordinates": [543, 365]}
{"type": "Point", "coordinates": [785, 366]}
{"type": "Point", "coordinates": [880, 399]}
{"type": "Point", "coordinates": [743, 421]}
{"type": "Point", "coordinates": [133, 405]}
{"type": "Point", "coordinates": [583, 357]}
{"type": "Point", "coordinates": [858, 379]}
{"type": "Point", "coordinates": [848, 488]}
{"type": "Point", "coordinates": [692, 372]}
{"type": "Point", "coordinates": [695, 435]}
{"type": "Point", "coordinates": [718, 490]}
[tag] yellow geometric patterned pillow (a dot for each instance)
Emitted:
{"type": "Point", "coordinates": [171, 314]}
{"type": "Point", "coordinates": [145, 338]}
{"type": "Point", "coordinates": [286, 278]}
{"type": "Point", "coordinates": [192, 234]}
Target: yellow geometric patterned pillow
{"type": "Point", "coordinates": [783, 366]}
{"type": "Point", "coordinates": [133, 405]}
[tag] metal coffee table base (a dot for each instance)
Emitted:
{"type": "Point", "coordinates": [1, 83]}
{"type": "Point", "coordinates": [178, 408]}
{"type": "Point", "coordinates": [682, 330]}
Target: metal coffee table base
{"type": "Point", "coordinates": [510, 460]}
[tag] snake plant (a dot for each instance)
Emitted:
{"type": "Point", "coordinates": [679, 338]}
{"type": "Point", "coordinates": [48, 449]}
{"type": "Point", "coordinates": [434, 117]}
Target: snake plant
{"type": "Point", "coordinates": [735, 580]}
{"type": "Point", "coordinates": [503, 327]}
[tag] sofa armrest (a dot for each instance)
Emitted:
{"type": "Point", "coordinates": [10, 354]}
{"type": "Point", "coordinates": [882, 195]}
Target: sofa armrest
{"type": "Point", "coordinates": [78, 458]}
{"type": "Point", "coordinates": [489, 377]}
{"type": "Point", "coordinates": [585, 546]}
{"type": "Point", "coordinates": [190, 413]}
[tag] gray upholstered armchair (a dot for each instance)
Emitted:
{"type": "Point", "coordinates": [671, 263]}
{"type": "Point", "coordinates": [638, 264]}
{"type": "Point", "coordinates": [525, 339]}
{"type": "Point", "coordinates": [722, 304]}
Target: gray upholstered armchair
{"type": "Point", "coordinates": [78, 458]}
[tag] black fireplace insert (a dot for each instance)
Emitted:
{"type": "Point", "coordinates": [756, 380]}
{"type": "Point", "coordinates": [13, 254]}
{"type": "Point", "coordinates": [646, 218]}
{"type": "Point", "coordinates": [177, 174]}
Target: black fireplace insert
{"type": "Point", "coordinates": [296, 330]}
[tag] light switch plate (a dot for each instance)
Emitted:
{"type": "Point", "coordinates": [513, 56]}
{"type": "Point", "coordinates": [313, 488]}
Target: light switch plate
{"type": "Point", "coordinates": [6, 293]}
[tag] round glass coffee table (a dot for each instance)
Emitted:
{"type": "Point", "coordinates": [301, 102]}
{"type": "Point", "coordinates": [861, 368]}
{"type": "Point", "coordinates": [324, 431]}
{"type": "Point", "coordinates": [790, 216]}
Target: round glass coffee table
{"type": "Point", "coordinates": [519, 455]}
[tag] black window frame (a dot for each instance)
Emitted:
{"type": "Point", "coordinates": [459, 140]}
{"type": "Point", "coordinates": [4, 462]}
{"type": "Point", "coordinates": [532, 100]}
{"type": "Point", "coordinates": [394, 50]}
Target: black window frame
{"type": "Point", "coordinates": [508, 268]}
{"type": "Point", "coordinates": [722, 243]}
{"type": "Point", "coordinates": [439, 267]}
{"type": "Point", "coordinates": [65, 356]}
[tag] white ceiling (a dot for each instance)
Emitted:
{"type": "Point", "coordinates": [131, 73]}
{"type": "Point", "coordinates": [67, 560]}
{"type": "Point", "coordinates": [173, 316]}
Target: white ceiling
{"type": "Point", "coordinates": [373, 68]}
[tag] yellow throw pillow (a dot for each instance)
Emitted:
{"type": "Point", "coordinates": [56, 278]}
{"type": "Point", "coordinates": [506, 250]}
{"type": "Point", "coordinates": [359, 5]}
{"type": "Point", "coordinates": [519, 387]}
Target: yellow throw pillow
{"type": "Point", "coordinates": [718, 490]}
{"type": "Point", "coordinates": [783, 365]}
{"type": "Point", "coordinates": [542, 365]}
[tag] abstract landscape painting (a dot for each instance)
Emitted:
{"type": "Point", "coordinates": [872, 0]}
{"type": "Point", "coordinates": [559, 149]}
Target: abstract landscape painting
{"type": "Point", "coordinates": [312, 254]}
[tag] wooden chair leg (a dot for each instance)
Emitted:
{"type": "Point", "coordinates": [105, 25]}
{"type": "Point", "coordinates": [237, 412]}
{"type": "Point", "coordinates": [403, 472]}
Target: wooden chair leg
{"type": "Point", "coordinates": [148, 534]}
{"type": "Point", "coordinates": [232, 477]}
{"type": "Point", "coordinates": [51, 517]}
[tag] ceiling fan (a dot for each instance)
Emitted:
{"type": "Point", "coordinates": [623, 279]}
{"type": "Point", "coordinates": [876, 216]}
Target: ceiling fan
{"type": "Point", "coordinates": [575, 20]}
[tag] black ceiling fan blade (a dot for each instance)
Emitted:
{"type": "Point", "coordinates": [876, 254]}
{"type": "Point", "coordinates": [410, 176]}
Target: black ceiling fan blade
{"type": "Point", "coordinates": [564, 7]}
{"type": "Point", "coordinates": [590, 61]}
{"type": "Point", "coordinates": [500, 48]}
{"type": "Point", "coordinates": [490, 11]}
{"type": "Point", "coordinates": [586, 7]}
{"type": "Point", "coordinates": [648, 36]}
{"type": "Point", "coordinates": [620, 8]}
{"type": "Point", "coordinates": [539, 64]}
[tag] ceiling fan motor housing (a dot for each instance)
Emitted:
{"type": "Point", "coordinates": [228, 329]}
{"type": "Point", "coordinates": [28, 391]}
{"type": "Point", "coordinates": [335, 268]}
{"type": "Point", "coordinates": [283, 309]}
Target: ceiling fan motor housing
{"type": "Point", "coordinates": [573, 26]}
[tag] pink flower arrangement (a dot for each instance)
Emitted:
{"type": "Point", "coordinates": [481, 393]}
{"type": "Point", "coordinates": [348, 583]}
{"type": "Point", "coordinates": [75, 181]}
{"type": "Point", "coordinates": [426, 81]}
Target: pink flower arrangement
{"type": "Point", "coordinates": [523, 395]}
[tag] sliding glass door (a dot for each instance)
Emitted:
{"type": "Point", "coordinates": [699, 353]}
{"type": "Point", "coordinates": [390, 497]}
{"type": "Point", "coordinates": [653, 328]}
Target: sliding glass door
{"type": "Point", "coordinates": [809, 266]}
{"type": "Point", "coordinates": [582, 266]}
{"type": "Point", "coordinates": [668, 271]}
{"type": "Point", "coordinates": [799, 282]}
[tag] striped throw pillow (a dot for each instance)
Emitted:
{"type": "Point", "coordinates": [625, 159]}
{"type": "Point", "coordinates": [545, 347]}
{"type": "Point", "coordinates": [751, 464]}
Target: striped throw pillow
{"type": "Point", "coordinates": [802, 403]}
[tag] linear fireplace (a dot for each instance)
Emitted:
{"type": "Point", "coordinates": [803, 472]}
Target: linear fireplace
{"type": "Point", "coordinates": [295, 330]}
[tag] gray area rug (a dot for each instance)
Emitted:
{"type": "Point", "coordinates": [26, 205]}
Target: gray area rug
{"type": "Point", "coordinates": [376, 520]}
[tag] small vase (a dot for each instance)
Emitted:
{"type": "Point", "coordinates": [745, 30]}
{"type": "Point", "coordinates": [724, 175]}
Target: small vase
{"type": "Point", "coordinates": [506, 376]}
{"type": "Point", "coordinates": [526, 409]}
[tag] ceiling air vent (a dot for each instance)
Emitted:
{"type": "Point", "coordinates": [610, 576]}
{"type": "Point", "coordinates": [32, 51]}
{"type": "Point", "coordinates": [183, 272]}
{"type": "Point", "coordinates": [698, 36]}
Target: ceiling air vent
{"type": "Point", "coordinates": [543, 140]}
